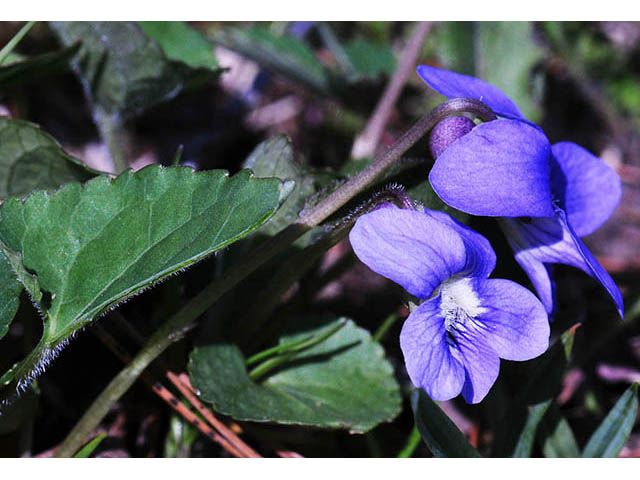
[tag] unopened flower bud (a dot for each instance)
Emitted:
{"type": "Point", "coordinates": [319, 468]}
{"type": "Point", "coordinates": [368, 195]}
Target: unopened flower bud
{"type": "Point", "coordinates": [448, 131]}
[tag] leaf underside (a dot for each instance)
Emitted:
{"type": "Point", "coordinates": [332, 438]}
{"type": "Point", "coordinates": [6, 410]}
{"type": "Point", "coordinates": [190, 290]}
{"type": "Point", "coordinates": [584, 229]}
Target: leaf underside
{"type": "Point", "coordinates": [275, 158]}
{"type": "Point", "coordinates": [31, 159]}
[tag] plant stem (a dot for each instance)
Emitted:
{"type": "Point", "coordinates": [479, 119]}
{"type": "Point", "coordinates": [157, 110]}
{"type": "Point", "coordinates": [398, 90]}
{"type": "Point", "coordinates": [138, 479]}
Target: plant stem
{"type": "Point", "coordinates": [11, 44]}
{"type": "Point", "coordinates": [359, 182]}
{"type": "Point", "coordinates": [308, 342]}
{"type": "Point", "coordinates": [412, 443]}
{"type": "Point", "coordinates": [386, 325]}
{"type": "Point", "coordinates": [112, 133]}
{"type": "Point", "coordinates": [175, 327]}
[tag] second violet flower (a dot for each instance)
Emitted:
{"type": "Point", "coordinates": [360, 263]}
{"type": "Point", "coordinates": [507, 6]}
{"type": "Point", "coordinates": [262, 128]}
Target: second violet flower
{"type": "Point", "coordinates": [453, 341]}
{"type": "Point", "coordinates": [548, 196]}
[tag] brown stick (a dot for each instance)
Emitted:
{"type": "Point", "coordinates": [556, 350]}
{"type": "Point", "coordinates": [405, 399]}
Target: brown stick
{"type": "Point", "coordinates": [166, 395]}
{"type": "Point", "coordinates": [366, 142]}
{"type": "Point", "coordinates": [183, 384]}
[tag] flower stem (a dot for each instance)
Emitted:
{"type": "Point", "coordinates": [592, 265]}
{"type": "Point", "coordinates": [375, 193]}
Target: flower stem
{"type": "Point", "coordinates": [293, 351]}
{"type": "Point", "coordinates": [179, 323]}
{"type": "Point", "coordinates": [412, 443]}
{"type": "Point", "coordinates": [386, 325]}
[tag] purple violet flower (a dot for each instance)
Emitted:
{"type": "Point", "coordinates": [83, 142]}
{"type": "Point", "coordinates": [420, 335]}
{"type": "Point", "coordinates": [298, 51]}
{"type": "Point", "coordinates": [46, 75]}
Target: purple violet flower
{"type": "Point", "coordinates": [453, 341]}
{"type": "Point", "coordinates": [548, 196]}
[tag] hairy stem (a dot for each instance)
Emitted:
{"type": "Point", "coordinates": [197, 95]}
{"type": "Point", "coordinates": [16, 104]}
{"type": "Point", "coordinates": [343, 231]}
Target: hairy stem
{"type": "Point", "coordinates": [175, 327]}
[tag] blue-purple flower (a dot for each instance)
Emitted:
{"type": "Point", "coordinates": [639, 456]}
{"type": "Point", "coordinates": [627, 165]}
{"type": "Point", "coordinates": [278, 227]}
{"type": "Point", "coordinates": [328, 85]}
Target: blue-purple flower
{"type": "Point", "coordinates": [453, 341]}
{"type": "Point", "coordinates": [548, 196]}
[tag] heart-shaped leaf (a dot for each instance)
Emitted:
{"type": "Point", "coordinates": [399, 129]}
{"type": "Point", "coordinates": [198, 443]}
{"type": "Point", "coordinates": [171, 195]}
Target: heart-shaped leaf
{"type": "Point", "coordinates": [343, 382]}
{"type": "Point", "coordinates": [31, 159]}
{"type": "Point", "coordinates": [94, 245]}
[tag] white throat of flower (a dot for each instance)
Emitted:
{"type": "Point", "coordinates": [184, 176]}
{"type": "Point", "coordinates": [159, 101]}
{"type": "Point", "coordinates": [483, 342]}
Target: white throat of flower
{"type": "Point", "coordinates": [459, 303]}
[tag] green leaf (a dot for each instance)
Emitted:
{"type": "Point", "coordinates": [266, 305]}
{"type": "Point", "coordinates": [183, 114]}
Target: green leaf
{"type": "Point", "coordinates": [94, 245]}
{"type": "Point", "coordinates": [21, 275]}
{"type": "Point", "coordinates": [613, 432]}
{"type": "Point", "coordinates": [558, 438]}
{"type": "Point", "coordinates": [275, 158]}
{"type": "Point", "coordinates": [453, 43]}
{"type": "Point", "coordinates": [523, 416]}
{"type": "Point", "coordinates": [122, 69]}
{"type": "Point", "coordinates": [501, 53]}
{"type": "Point", "coordinates": [31, 159]}
{"type": "Point", "coordinates": [13, 42]}
{"type": "Point", "coordinates": [181, 42]}
{"type": "Point", "coordinates": [440, 434]}
{"type": "Point", "coordinates": [370, 59]}
{"type": "Point", "coordinates": [13, 276]}
{"type": "Point", "coordinates": [36, 67]}
{"type": "Point", "coordinates": [505, 56]}
{"type": "Point", "coordinates": [524, 447]}
{"type": "Point", "coordinates": [282, 53]}
{"type": "Point", "coordinates": [343, 382]}
{"type": "Point", "coordinates": [89, 448]}
{"type": "Point", "coordinates": [10, 290]}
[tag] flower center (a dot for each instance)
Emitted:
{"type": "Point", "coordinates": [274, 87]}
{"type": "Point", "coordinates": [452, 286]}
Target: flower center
{"type": "Point", "coordinates": [459, 303]}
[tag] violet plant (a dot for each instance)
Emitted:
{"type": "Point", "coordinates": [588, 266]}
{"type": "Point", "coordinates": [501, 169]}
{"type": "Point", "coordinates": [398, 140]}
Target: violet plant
{"type": "Point", "coordinates": [258, 341]}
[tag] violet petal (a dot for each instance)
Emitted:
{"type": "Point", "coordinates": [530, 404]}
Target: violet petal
{"type": "Point", "coordinates": [499, 169]}
{"type": "Point", "coordinates": [515, 324]}
{"type": "Point", "coordinates": [430, 363]}
{"type": "Point", "coordinates": [552, 240]}
{"type": "Point", "coordinates": [408, 247]}
{"type": "Point", "coordinates": [589, 189]}
{"type": "Point", "coordinates": [456, 85]}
